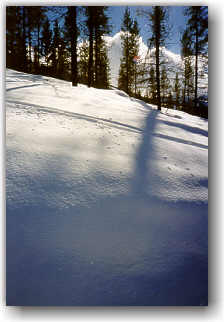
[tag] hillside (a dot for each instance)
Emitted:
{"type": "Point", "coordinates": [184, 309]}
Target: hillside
{"type": "Point", "coordinates": [107, 198]}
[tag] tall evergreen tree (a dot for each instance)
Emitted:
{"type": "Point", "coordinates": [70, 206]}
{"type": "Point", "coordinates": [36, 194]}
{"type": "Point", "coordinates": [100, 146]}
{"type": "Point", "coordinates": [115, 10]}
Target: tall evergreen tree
{"type": "Point", "coordinates": [13, 35]}
{"type": "Point", "coordinates": [98, 64]}
{"type": "Point", "coordinates": [130, 48]}
{"type": "Point", "coordinates": [101, 62]}
{"type": "Point", "coordinates": [55, 48]}
{"type": "Point", "coordinates": [177, 90]}
{"type": "Point", "coordinates": [38, 16]}
{"type": "Point", "coordinates": [152, 84]}
{"type": "Point", "coordinates": [16, 37]}
{"type": "Point", "coordinates": [83, 54]}
{"type": "Point", "coordinates": [31, 18]}
{"type": "Point", "coordinates": [46, 40]}
{"type": "Point", "coordinates": [71, 35]}
{"type": "Point", "coordinates": [165, 85]}
{"type": "Point", "coordinates": [90, 25]}
{"type": "Point", "coordinates": [197, 28]}
{"type": "Point", "coordinates": [158, 19]}
{"type": "Point", "coordinates": [186, 54]}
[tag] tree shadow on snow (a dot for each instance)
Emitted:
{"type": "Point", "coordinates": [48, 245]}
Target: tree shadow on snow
{"type": "Point", "coordinates": [103, 249]}
{"type": "Point", "coordinates": [144, 155]}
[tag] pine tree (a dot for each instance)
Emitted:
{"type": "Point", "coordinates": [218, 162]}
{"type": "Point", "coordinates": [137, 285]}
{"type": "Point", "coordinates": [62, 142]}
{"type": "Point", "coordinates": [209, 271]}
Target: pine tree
{"type": "Point", "coordinates": [55, 48]}
{"type": "Point", "coordinates": [197, 28]}
{"type": "Point", "coordinates": [176, 90]}
{"type": "Point", "coordinates": [186, 54]}
{"type": "Point", "coordinates": [31, 17]}
{"type": "Point", "coordinates": [16, 37]}
{"type": "Point", "coordinates": [103, 73]}
{"type": "Point", "coordinates": [165, 85]}
{"type": "Point", "coordinates": [71, 34]}
{"type": "Point", "coordinates": [83, 54]}
{"type": "Point", "coordinates": [46, 40]}
{"type": "Point", "coordinates": [89, 11]}
{"type": "Point", "coordinates": [158, 19]}
{"type": "Point", "coordinates": [101, 62]}
{"type": "Point", "coordinates": [152, 84]}
{"type": "Point", "coordinates": [12, 35]}
{"type": "Point", "coordinates": [38, 15]}
{"type": "Point", "coordinates": [98, 64]}
{"type": "Point", "coordinates": [130, 48]}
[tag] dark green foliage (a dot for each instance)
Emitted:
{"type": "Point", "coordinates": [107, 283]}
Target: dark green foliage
{"type": "Point", "coordinates": [15, 37]}
{"type": "Point", "coordinates": [98, 64]}
{"type": "Point", "coordinates": [130, 48]}
{"type": "Point", "coordinates": [158, 19]}
{"type": "Point", "coordinates": [176, 90]}
{"type": "Point", "coordinates": [152, 84]}
{"type": "Point", "coordinates": [71, 33]}
{"type": "Point", "coordinates": [165, 86]}
{"type": "Point", "coordinates": [186, 53]}
{"type": "Point", "coordinates": [197, 30]}
{"type": "Point", "coordinates": [46, 40]}
{"type": "Point", "coordinates": [83, 53]}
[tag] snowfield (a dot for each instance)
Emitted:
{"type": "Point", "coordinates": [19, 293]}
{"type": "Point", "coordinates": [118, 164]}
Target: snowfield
{"type": "Point", "coordinates": [107, 198]}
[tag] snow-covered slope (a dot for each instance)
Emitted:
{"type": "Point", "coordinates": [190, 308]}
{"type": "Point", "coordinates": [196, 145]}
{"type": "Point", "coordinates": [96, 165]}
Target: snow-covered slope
{"type": "Point", "coordinates": [106, 198]}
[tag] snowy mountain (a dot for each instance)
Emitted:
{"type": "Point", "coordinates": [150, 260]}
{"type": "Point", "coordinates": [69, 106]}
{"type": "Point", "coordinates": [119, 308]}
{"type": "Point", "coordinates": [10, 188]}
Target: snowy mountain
{"type": "Point", "coordinates": [115, 54]}
{"type": "Point", "coordinates": [107, 198]}
{"type": "Point", "coordinates": [173, 62]}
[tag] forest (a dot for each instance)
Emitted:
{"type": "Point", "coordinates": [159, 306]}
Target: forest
{"type": "Point", "coordinates": [70, 43]}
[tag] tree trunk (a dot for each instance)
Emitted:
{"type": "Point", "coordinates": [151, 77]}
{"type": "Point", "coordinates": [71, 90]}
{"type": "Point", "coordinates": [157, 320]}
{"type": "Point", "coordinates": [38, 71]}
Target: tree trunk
{"type": "Point", "coordinates": [90, 63]}
{"type": "Point", "coordinates": [24, 40]}
{"type": "Point", "coordinates": [157, 60]}
{"type": "Point", "coordinates": [74, 47]}
{"type": "Point", "coordinates": [96, 58]}
{"type": "Point", "coordinates": [127, 65]}
{"type": "Point", "coordinates": [196, 66]}
{"type": "Point", "coordinates": [38, 46]}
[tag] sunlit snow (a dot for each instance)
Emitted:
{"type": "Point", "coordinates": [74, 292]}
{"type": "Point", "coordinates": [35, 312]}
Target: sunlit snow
{"type": "Point", "coordinates": [106, 198]}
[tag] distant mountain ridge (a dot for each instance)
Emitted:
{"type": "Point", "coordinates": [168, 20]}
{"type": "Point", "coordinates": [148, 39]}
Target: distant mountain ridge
{"type": "Point", "coordinates": [172, 61]}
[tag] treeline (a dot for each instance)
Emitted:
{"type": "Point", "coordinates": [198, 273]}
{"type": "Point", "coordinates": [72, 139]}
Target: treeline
{"type": "Point", "coordinates": [152, 78]}
{"type": "Point", "coordinates": [44, 40]}
{"type": "Point", "coordinates": [68, 42]}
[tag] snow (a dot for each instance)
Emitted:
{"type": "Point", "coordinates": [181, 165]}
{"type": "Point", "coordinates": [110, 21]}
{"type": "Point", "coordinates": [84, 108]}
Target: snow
{"type": "Point", "coordinates": [173, 62]}
{"type": "Point", "coordinates": [107, 198]}
{"type": "Point", "coordinates": [114, 45]}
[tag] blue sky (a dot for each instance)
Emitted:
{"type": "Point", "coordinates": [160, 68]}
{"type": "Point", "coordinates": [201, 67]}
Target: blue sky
{"type": "Point", "coordinates": [176, 19]}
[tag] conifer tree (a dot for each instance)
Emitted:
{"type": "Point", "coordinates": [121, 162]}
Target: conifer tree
{"type": "Point", "coordinates": [165, 85]}
{"type": "Point", "coordinates": [158, 19]}
{"type": "Point", "coordinates": [83, 54]}
{"type": "Point", "coordinates": [101, 62]}
{"type": "Point", "coordinates": [176, 90]}
{"type": "Point", "coordinates": [130, 48]}
{"type": "Point", "coordinates": [38, 16]}
{"type": "Point", "coordinates": [71, 35]}
{"type": "Point", "coordinates": [16, 37]}
{"type": "Point", "coordinates": [31, 14]}
{"type": "Point", "coordinates": [13, 36]}
{"type": "Point", "coordinates": [55, 48]}
{"type": "Point", "coordinates": [46, 40]}
{"type": "Point", "coordinates": [197, 28]}
{"type": "Point", "coordinates": [152, 84]}
{"type": "Point", "coordinates": [98, 64]}
{"type": "Point", "coordinates": [186, 54]}
{"type": "Point", "coordinates": [90, 25]}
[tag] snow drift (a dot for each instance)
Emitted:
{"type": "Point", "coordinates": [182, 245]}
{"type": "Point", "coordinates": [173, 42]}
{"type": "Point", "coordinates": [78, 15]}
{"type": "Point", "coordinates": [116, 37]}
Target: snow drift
{"type": "Point", "coordinates": [106, 198]}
